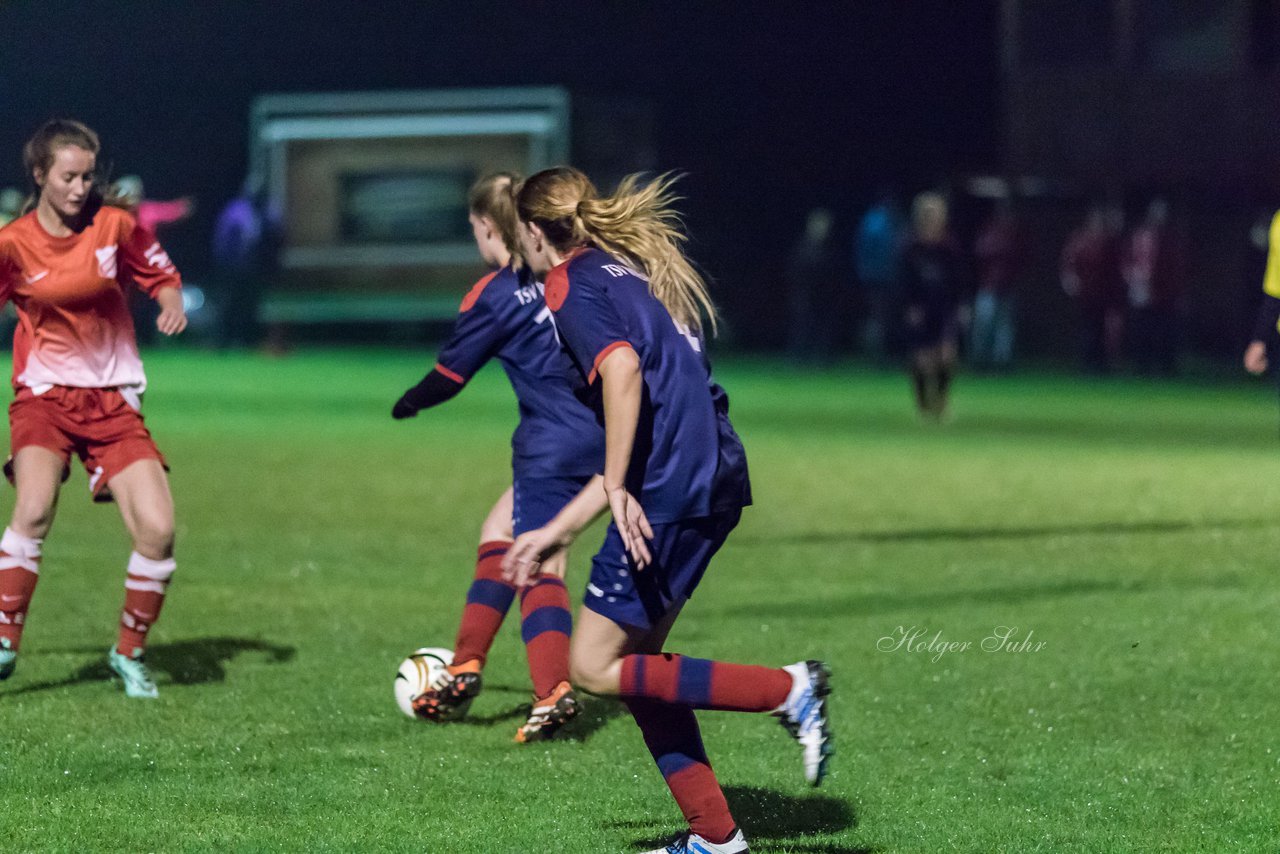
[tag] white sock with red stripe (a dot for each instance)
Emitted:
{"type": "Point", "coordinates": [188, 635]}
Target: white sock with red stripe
{"type": "Point", "coordinates": [144, 591]}
{"type": "Point", "coordinates": [19, 571]}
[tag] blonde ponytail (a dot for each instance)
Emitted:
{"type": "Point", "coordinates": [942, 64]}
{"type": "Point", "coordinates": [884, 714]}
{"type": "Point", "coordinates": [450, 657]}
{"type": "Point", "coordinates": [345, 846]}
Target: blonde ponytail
{"type": "Point", "coordinates": [638, 224]}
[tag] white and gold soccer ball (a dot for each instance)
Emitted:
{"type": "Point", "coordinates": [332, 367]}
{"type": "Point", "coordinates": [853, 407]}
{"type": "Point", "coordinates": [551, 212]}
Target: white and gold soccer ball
{"type": "Point", "coordinates": [416, 674]}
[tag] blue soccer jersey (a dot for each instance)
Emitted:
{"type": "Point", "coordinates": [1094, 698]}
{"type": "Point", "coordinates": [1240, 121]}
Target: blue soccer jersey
{"type": "Point", "coordinates": [687, 461]}
{"type": "Point", "coordinates": [504, 316]}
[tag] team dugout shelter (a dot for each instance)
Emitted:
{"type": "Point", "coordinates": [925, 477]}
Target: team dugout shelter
{"type": "Point", "coordinates": [371, 193]}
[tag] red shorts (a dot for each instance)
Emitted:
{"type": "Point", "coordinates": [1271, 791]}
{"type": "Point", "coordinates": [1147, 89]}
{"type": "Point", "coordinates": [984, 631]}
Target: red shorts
{"type": "Point", "coordinates": [97, 423]}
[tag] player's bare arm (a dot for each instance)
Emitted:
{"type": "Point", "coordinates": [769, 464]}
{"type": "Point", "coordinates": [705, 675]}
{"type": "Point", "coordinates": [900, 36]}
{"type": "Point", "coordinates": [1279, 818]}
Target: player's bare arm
{"type": "Point", "coordinates": [173, 316]}
{"type": "Point", "coordinates": [621, 385]}
{"type": "Point", "coordinates": [533, 551]}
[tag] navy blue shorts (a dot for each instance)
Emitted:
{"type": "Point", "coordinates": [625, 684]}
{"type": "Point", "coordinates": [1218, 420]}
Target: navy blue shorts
{"type": "Point", "coordinates": [538, 499]}
{"type": "Point", "coordinates": [681, 551]}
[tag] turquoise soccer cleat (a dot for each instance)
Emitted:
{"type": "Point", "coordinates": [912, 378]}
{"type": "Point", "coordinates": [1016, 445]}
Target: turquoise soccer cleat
{"type": "Point", "coordinates": [132, 670]}
{"type": "Point", "coordinates": [8, 658]}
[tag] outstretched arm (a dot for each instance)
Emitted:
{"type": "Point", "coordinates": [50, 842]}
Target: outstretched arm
{"type": "Point", "coordinates": [435, 388]}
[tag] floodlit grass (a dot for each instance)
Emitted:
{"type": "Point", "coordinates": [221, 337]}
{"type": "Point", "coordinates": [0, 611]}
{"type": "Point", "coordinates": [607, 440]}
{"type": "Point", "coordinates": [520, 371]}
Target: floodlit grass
{"type": "Point", "coordinates": [1124, 533]}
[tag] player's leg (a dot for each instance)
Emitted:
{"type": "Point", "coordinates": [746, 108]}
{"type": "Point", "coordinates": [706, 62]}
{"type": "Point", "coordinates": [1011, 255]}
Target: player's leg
{"type": "Point", "coordinates": [545, 620]}
{"type": "Point", "coordinates": [945, 357]}
{"type": "Point", "coordinates": [141, 490]}
{"type": "Point", "coordinates": [488, 599]}
{"type": "Point", "coordinates": [37, 474]}
{"type": "Point", "coordinates": [670, 730]}
{"type": "Point", "coordinates": [681, 553]}
{"type": "Point", "coordinates": [922, 370]}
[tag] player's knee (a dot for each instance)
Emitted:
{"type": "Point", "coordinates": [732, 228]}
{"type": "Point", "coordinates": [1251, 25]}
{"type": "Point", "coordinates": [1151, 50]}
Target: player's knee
{"type": "Point", "coordinates": [153, 538]}
{"type": "Point", "coordinates": [494, 530]}
{"type": "Point", "coordinates": [592, 676]}
{"type": "Point", "coordinates": [32, 516]}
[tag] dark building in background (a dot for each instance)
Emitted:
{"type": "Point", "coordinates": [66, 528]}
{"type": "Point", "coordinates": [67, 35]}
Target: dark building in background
{"type": "Point", "coordinates": [1123, 101]}
{"type": "Point", "coordinates": [1153, 91]}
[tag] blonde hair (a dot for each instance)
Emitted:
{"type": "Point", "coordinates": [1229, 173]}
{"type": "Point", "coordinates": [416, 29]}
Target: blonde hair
{"type": "Point", "coordinates": [928, 207]}
{"type": "Point", "coordinates": [637, 224]}
{"type": "Point", "coordinates": [494, 197]}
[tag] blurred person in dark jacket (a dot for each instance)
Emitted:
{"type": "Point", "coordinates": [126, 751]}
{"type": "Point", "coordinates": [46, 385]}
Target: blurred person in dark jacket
{"type": "Point", "coordinates": [877, 257]}
{"type": "Point", "coordinates": [1153, 275]}
{"type": "Point", "coordinates": [245, 245]}
{"type": "Point", "coordinates": [1000, 253]}
{"type": "Point", "coordinates": [935, 280]}
{"type": "Point", "coordinates": [814, 285]}
{"type": "Point", "coordinates": [1091, 276]}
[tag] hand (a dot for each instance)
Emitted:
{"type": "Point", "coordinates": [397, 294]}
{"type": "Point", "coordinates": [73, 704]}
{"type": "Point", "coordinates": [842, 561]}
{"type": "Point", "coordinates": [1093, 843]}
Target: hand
{"type": "Point", "coordinates": [403, 409]}
{"type": "Point", "coordinates": [632, 524]}
{"type": "Point", "coordinates": [532, 553]}
{"type": "Point", "coordinates": [173, 317]}
{"type": "Point", "coordinates": [1255, 357]}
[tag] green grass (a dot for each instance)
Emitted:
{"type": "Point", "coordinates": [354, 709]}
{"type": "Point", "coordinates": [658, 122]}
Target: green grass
{"type": "Point", "coordinates": [1129, 527]}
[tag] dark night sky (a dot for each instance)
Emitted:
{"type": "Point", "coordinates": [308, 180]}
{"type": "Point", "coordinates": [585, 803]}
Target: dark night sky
{"type": "Point", "coordinates": [768, 106]}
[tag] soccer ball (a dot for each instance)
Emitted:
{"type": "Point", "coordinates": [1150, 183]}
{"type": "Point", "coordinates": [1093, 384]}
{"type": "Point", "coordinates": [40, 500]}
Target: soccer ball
{"type": "Point", "coordinates": [416, 674]}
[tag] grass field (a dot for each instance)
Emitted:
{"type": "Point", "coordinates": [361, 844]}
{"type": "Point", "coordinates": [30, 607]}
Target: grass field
{"type": "Point", "coordinates": [1127, 532]}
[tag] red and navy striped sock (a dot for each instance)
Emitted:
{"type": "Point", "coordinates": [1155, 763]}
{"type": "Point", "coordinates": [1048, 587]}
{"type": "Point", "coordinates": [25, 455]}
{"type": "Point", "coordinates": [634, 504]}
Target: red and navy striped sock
{"type": "Point", "coordinates": [672, 736]}
{"type": "Point", "coordinates": [702, 684]}
{"type": "Point", "coordinates": [545, 625]}
{"type": "Point", "coordinates": [488, 600]}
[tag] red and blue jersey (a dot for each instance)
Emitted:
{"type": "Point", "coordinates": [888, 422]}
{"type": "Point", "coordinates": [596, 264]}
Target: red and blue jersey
{"type": "Point", "coordinates": [505, 317]}
{"type": "Point", "coordinates": [687, 461]}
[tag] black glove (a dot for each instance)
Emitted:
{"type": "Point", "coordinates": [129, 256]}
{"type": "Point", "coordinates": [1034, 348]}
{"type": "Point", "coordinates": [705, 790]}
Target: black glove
{"type": "Point", "coordinates": [435, 388]}
{"type": "Point", "coordinates": [403, 409]}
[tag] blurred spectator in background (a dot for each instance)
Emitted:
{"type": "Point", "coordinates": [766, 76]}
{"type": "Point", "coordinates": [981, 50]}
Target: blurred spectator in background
{"type": "Point", "coordinates": [1000, 253]}
{"type": "Point", "coordinates": [934, 280]}
{"type": "Point", "coordinates": [11, 199]}
{"type": "Point", "coordinates": [1091, 276]}
{"type": "Point", "coordinates": [1268, 323]}
{"type": "Point", "coordinates": [814, 285]}
{"type": "Point", "coordinates": [1153, 275]}
{"type": "Point", "coordinates": [245, 243]}
{"type": "Point", "coordinates": [151, 215]}
{"type": "Point", "coordinates": [877, 255]}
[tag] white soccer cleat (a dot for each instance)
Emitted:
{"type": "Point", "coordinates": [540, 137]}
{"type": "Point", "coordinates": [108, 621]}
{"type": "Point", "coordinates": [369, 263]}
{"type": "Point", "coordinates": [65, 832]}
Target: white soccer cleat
{"type": "Point", "coordinates": [132, 670]}
{"type": "Point", "coordinates": [804, 715]}
{"type": "Point", "coordinates": [691, 843]}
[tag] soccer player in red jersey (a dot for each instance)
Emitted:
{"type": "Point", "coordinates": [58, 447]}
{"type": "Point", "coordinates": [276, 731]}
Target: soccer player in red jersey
{"type": "Point", "coordinates": [630, 309]}
{"type": "Point", "coordinates": [78, 383]}
{"type": "Point", "coordinates": [556, 449]}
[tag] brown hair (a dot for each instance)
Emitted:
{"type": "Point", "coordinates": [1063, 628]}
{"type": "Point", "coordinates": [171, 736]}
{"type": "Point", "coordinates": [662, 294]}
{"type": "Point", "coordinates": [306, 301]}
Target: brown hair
{"type": "Point", "coordinates": [41, 149]}
{"type": "Point", "coordinates": [494, 197]}
{"type": "Point", "coordinates": [638, 224]}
